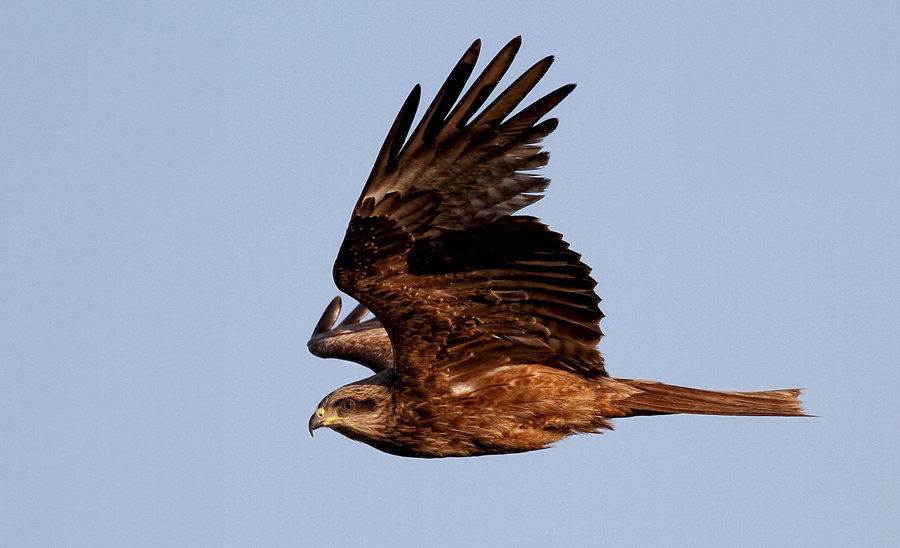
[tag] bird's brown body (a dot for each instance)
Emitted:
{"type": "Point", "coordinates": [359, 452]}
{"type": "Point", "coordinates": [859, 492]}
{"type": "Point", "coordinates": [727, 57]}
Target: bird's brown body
{"type": "Point", "coordinates": [486, 324]}
{"type": "Point", "coordinates": [507, 408]}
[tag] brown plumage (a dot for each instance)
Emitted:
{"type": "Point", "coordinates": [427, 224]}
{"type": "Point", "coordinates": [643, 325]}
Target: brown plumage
{"type": "Point", "coordinates": [487, 324]}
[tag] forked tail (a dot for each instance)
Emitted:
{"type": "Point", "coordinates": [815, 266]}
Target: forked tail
{"type": "Point", "coordinates": [655, 398]}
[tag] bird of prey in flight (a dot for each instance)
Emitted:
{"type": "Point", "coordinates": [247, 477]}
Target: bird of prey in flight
{"type": "Point", "coordinates": [485, 329]}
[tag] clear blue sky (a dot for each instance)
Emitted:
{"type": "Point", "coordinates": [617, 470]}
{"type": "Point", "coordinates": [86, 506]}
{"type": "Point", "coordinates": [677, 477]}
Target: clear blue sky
{"type": "Point", "coordinates": [175, 179]}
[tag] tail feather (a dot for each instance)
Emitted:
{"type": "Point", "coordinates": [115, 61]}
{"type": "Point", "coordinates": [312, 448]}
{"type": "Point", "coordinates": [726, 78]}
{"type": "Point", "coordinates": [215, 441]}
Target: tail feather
{"type": "Point", "coordinates": [653, 398]}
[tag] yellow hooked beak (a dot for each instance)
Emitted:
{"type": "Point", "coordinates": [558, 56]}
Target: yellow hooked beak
{"type": "Point", "coordinates": [318, 420]}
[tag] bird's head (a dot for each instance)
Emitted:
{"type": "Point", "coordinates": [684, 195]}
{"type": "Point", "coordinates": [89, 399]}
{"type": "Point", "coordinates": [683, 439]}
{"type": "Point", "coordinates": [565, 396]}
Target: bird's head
{"type": "Point", "coordinates": [359, 411]}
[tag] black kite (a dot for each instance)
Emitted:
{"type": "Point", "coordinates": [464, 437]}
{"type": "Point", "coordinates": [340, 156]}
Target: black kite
{"type": "Point", "coordinates": [487, 324]}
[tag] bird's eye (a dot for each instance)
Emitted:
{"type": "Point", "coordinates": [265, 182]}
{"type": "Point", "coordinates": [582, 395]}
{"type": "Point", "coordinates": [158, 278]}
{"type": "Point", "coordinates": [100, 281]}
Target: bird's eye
{"type": "Point", "coordinates": [347, 405]}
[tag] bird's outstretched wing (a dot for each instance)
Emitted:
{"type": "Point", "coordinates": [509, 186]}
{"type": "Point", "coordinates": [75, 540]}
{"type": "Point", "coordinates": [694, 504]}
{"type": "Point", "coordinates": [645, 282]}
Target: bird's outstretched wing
{"type": "Point", "coordinates": [362, 342]}
{"type": "Point", "coordinates": [433, 249]}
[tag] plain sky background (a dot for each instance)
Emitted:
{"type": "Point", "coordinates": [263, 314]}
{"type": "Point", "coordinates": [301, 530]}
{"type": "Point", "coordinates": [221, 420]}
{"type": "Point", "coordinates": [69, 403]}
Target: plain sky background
{"type": "Point", "coordinates": [176, 178]}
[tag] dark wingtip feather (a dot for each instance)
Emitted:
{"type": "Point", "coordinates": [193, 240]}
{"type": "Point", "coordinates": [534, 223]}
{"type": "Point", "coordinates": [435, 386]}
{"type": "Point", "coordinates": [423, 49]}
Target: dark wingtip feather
{"type": "Point", "coordinates": [355, 316]}
{"type": "Point", "coordinates": [404, 122]}
{"type": "Point", "coordinates": [332, 311]}
{"type": "Point", "coordinates": [484, 84]}
{"type": "Point", "coordinates": [387, 156]}
{"type": "Point", "coordinates": [567, 89]}
{"type": "Point", "coordinates": [435, 117]}
{"type": "Point", "coordinates": [514, 94]}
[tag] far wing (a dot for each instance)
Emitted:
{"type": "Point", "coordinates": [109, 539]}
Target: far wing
{"type": "Point", "coordinates": [365, 343]}
{"type": "Point", "coordinates": [433, 251]}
